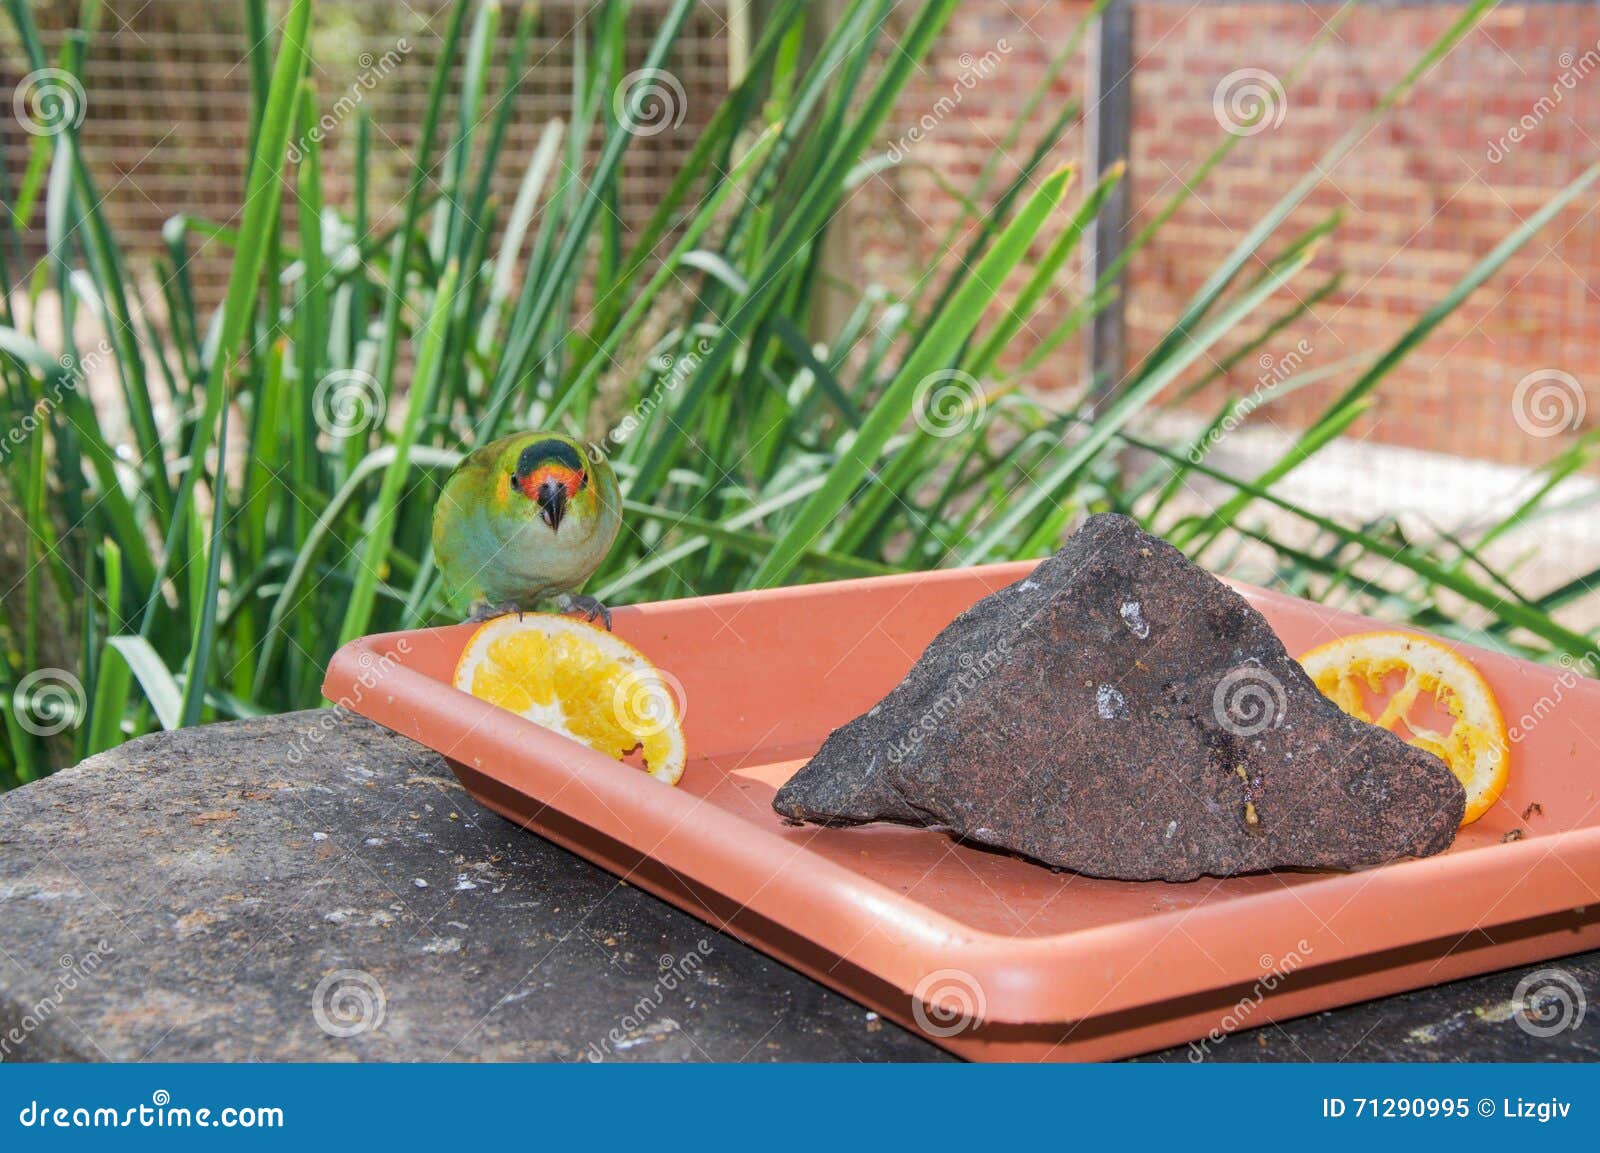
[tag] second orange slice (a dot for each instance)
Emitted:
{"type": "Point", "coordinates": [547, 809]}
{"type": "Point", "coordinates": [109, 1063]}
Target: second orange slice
{"type": "Point", "coordinates": [1359, 674]}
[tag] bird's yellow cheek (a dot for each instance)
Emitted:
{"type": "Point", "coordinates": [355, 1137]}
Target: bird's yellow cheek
{"type": "Point", "coordinates": [502, 491]}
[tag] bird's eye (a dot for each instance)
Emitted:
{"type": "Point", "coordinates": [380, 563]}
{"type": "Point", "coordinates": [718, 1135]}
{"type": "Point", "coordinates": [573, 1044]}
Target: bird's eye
{"type": "Point", "coordinates": [583, 480]}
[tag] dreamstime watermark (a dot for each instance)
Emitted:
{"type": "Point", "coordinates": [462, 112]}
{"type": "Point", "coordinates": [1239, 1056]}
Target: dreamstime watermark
{"type": "Point", "coordinates": [48, 102]}
{"type": "Point", "coordinates": [160, 1113]}
{"type": "Point", "coordinates": [74, 374]}
{"type": "Point", "coordinates": [373, 670]}
{"type": "Point", "coordinates": [671, 371]}
{"type": "Point", "coordinates": [74, 971]}
{"type": "Point", "coordinates": [1278, 969]}
{"type": "Point", "coordinates": [947, 1002]}
{"type": "Point", "coordinates": [673, 972]}
{"type": "Point", "coordinates": [49, 701]}
{"type": "Point", "coordinates": [373, 70]}
{"type": "Point", "coordinates": [348, 402]}
{"type": "Point", "coordinates": [1549, 1001]}
{"type": "Point", "coordinates": [1249, 700]}
{"type": "Point", "coordinates": [948, 403]}
{"type": "Point", "coordinates": [1249, 100]}
{"type": "Point", "coordinates": [348, 1003]}
{"type": "Point", "coordinates": [1274, 371]}
{"type": "Point", "coordinates": [1574, 69]}
{"type": "Point", "coordinates": [649, 102]}
{"type": "Point", "coordinates": [648, 701]}
{"type": "Point", "coordinates": [1574, 671]}
{"type": "Point", "coordinates": [1548, 402]}
{"type": "Point", "coordinates": [974, 70]}
{"type": "Point", "coordinates": [974, 671]}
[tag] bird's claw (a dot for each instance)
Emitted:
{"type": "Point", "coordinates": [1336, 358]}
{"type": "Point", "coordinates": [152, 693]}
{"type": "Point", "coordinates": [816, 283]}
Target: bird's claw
{"type": "Point", "coordinates": [591, 608]}
{"type": "Point", "coordinates": [487, 612]}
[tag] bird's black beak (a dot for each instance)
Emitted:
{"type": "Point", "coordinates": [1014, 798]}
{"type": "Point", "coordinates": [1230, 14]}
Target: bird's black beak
{"type": "Point", "coordinates": [552, 503]}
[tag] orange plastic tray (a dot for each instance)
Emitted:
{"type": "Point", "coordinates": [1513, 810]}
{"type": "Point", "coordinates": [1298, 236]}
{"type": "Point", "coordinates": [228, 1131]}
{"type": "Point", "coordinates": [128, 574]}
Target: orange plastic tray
{"type": "Point", "coordinates": [991, 956]}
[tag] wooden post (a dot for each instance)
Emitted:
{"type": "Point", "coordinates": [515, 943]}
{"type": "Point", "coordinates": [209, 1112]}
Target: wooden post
{"type": "Point", "coordinates": [835, 293]}
{"type": "Point", "coordinates": [1107, 129]}
{"type": "Point", "coordinates": [739, 32]}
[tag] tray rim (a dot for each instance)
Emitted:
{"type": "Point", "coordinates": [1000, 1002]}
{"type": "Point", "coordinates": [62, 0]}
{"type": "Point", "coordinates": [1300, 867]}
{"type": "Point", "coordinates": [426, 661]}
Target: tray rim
{"type": "Point", "coordinates": [883, 931]}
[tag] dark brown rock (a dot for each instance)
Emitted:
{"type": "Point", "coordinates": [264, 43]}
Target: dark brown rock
{"type": "Point", "coordinates": [1124, 714]}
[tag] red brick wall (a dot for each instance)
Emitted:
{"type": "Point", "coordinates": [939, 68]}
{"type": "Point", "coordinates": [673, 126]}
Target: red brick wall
{"type": "Point", "coordinates": [1424, 194]}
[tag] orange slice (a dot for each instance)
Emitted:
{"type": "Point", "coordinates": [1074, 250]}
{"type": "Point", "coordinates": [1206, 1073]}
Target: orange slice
{"type": "Point", "coordinates": [581, 682]}
{"type": "Point", "coordinates": [1357, 673]}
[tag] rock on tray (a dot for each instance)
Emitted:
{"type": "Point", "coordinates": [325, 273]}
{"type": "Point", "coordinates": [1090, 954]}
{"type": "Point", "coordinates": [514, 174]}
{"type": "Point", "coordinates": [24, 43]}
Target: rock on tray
{"type": "Point", "coordinates": [1124, 714]}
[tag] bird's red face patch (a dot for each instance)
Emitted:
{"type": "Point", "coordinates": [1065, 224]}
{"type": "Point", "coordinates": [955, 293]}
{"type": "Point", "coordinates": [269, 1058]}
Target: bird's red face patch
{"type": "Point", "coordinates": [570, 479]}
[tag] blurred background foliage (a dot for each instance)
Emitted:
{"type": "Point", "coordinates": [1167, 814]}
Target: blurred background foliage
{"type": "Point", "coordinates": [253, 485]}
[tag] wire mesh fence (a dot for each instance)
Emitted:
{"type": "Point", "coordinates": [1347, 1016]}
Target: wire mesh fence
{"type": "Point", "coordinates": [1507, 118]}
{"type": "Point", "coordinates": [167, 104]}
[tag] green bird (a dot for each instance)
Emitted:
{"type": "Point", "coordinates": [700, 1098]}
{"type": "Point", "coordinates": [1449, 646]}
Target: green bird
{"type": "Point", "coordinates": [524, 519]}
